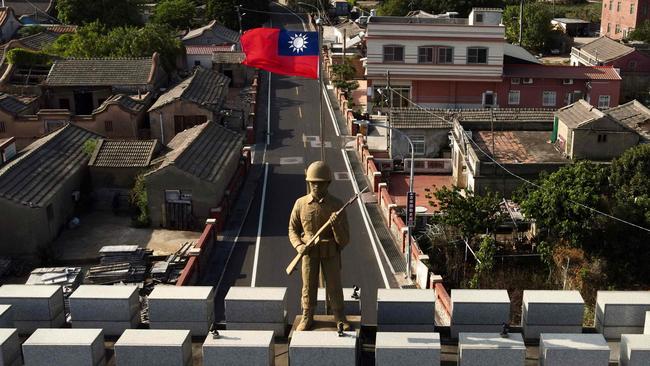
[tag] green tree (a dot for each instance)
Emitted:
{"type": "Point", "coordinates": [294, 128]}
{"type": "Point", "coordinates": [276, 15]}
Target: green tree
{"type": "Point", "coordinates": [174, 13]}
{"type": "Point", "coordinates": [30, 30]}
{"type": "Point", "coordinates": [471, 214]}
{"type": "Point", "coordinates": [641, 32]}
{"type": "Point", "coordinates": [225, 12]}
{"type": "Point", "coordinates": [111, 13]}
{"type": "Point", "coordinates": [401, 7]}
{"type": "Point", "coordinates": [484, 260]}
{"type": "Point", "coordinates": [558, 203]}
{"type": "Point", "coordinates": [140, 200]}
{"type": "Point", "coordinates": [537, 28]}
{"type": "Point", "coordinates": [343, 77]}
{"type": "Point", "coordinates": [630, 183]}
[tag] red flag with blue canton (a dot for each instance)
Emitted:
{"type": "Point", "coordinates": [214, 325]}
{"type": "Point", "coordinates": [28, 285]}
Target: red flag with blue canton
{"type": "Point", "coordinates": [282, 51]}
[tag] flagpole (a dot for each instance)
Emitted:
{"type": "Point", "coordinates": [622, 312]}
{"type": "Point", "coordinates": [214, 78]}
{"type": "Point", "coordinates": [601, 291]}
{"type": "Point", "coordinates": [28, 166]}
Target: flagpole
{"type": "Point", "coordinates": [320, 85]}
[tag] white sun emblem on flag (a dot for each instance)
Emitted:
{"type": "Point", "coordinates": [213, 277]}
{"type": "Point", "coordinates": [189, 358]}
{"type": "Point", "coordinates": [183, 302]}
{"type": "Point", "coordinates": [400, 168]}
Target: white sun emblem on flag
{"type": "Point", "coordinates": [298, 42]}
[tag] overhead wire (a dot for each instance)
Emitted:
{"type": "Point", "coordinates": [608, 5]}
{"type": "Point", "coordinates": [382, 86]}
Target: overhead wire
{"type": "Point", "coordinates": [489, 156]}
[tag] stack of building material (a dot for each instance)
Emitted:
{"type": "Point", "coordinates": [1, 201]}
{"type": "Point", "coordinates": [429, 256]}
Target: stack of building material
{"type": "Point", "coordinates": [115, 273]}
{"type": "Point", "coordinates": [257, 308]}
{"type": "Point", "coordinates": [34, 306]}
{"type": "Point", "coordinates": [182, 307]}
{"type": "Point", "coordinates": [169, 271]}
{"type": "Point", "coordinates": [621, 312]}
{"type": "Point", "coordinates": [160, 271]}
{"type": "Point", "coordinates": [323, 348]}
{"type": "Point", "coordinates": [406, 310]}
{"type": "Point", "coordinates": [479, 311]}
{"type": "Point", "coordinates": [407, 348]}
{"type": "Point", "coordinates": [154, 347]}
{"type": "Point", "coordinates": [547, 311]}
{"type": "Point", "coordinates": [478, 349]}
{"type": "Point", "coordinates": [69, 278]}
{"type": "Point", "coordinates": [133, 254]}
{"type": "Point", "coordinates": [573, 350]}
{"type": "Point", "coordinates": [351, 300]}
{"type": "Point", "coordinates": [10, 347]}
{"type": "Point", "coordinates": [635, 350]}
{"type": "Point", "coordinates": [112, 308]}
{"type": "Point", "coordinates": [83, 347]}
{"type": "Point", "coordinates": [239, 348]}
{"type": "Point", "coordinates": [6, 316]}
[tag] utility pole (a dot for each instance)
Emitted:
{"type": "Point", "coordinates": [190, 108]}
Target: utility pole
{"type": "Point", "coordinates": [389, 92]}
{"type": "Point", "coordinates": [521, 20]}
{"type": "Point", "coordinates": [345, 35]}
{"type": "Point", "coordinates": [238, 7]}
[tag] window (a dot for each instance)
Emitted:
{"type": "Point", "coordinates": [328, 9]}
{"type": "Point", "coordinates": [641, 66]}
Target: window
{"type": "Point", "coordinates": [644, 9]}
{"type": "Point", "coordinates": [64, 103]}
{"type": "Point", "coordinates": [479, 18]}
{"type": "Point", "coordinates": [393, 53]}
{"type": "Point", "coordinates": [617, 30]}
{"type": "Point", "coordinates": [477, 55]}
{"type": "Point", "coordinates": [548, 99]}
{"type": "Point", "coordinates": [603, 101]}
{"type": "Point", "coordinates": [418, 144]}
{"type": "Point", "coordinates": [489, 99]}
{"type": "Point", "coordinates": [425, 55]}
{"type": "Point", "coordinates": [632, 65]}
{"type": "Point", "coordinates": [514, 81]}
{"type": "Point", "coordinates": [632, 8]}
{"type": "Point", "coordinates": [197, 62]}
{"type": "Point", "coordinates": [108, 126]}
{"type": "Point", "coordinates": [399, 96]}
{"type": "Point", "coordinates": [567, 82]}
{"type": "Point", "coordinates": [3, 127]}
{"type": "Point", "coordinates": [610, 5]}
{"type": "Point", "coordinates": [618, 6]}
{"type": "Point", "coordinates": [528, 80]}
{"type": "Point", "coordinates": [602, 138]}
{"type": "Point", "coordinates": [609, 28]}
{"type": "Point", "coordinates": [445, 55]}
{"type": "Point", "coordinates": [513, 97]}
{"type": "Point", "coordinates": [381, 97]}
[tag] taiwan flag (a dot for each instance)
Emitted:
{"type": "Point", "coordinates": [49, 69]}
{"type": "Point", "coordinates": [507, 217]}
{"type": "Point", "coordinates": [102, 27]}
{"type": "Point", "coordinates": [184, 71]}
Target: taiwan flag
{"type": "Point", "coordinates": [282, 51]}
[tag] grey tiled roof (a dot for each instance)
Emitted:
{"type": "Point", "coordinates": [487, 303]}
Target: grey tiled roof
{"type": "Point", "coordinates": [226, 34]}
{"type": "Point", "coordinates": [228, 57]}
{"type": "Point", "coordinates": [442, 118]}
{"type": "Point", "coordinates": [202, 150]}
{"type": "Point", "coordinates": [578, 114]}
{"type": "Point", "coordinates": [123, 100]}
{"type": "Point", "coordinates": [40, 40]}
{"type": "Point", "coordinates": [24, 7]}
{"type": "Point", "coordinates": [40, 169]}
{"type": "Point", "coordinates": [205, 87]}
{"type": "Point", "coordinates": [634, 115]}
{"type": "Point", "coordinates": [123, 153]}
{"type": "Point", "coordinates": [606, 49]}
{"type": "Point", "coordinates": [100, 72]}
{"type": "Point", "coordinates": [11, 104]}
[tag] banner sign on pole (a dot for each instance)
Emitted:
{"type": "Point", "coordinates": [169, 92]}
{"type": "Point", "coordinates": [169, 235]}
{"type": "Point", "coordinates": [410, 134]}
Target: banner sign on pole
{"type": "Point", "coordinates": [410, 209]}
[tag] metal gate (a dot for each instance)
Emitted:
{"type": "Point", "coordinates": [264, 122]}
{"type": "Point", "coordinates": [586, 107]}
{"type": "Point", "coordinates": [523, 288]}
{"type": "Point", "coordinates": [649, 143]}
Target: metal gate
{"type": "Point", "coordinates": [178, 210]}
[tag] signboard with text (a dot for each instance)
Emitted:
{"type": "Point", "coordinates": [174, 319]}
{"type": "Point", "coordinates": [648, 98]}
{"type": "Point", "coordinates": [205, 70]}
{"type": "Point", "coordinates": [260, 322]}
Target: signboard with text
{"type": "Point", "coordinates": [410, 209]}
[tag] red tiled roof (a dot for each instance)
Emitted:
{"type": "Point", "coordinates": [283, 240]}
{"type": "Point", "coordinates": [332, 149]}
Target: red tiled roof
{"type": "Point", "coordinates": [60, 28]}
{"type": "Point", "coordinates": [561, 72]}
{"type": "Point", "coordinates": [207, 49]}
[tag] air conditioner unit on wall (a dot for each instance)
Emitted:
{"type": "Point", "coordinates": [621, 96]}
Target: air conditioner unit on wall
{"type": "Point", "coordinates": [567, 82]}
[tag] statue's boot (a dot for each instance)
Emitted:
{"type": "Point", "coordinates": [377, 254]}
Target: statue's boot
{"type": "Point", "coordinates": [339, 317]}
{"type": "Point", "coordinates": [306, 321]}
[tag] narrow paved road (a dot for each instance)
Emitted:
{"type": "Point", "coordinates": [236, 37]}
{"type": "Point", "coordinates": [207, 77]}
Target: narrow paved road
{"type": "Point", "coordinates": [294, 128]}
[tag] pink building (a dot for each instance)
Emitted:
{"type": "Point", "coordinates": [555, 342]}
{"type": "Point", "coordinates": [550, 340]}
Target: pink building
{"type": "Point", "coordinates": [442, 62]}
{"type": "Point", "coordinates": [620, 17]}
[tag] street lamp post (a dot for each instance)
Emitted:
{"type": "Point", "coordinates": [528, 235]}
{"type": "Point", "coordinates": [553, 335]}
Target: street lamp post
{"type": "Point", "coordinates": [410, 237]}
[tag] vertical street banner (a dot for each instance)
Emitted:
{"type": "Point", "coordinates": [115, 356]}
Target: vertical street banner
{"type": "Point", "coordinates": [410, 209]}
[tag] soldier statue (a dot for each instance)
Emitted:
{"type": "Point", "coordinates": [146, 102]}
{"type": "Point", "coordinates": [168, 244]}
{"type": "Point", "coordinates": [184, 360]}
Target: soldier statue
{"type": "Point", "coordinates": [309, 213]}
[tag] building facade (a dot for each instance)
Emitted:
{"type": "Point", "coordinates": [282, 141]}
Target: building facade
{"type": "Point", "coordinates": [620, 17]}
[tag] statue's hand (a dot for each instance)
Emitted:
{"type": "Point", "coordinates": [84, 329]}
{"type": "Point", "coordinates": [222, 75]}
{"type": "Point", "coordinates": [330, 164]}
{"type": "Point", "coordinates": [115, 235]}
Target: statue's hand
{"type": "Point", "coordinates": [301, 248]}
{"type": "Point", "coordinates": [333, 217]}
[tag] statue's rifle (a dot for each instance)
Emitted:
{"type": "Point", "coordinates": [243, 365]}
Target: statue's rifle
{"type": "Point", "coordinates": [312, 242]}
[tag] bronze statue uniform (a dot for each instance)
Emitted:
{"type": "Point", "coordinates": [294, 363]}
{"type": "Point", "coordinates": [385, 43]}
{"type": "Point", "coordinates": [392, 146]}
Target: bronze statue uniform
{"type": "Point", "coordinates": [309, 213]}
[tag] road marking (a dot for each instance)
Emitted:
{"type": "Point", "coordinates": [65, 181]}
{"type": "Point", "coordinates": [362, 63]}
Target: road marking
{"type": "Point", "coordinates": [259, 226]}
{"type": "Point", "coordinates": [317, 144]}
{"type": "Point", "coordinates": [366, 219]}
{"type": "Point", "coordinates": [300, 111]}
{"type": "Point", "coordinates": [341, 176]}
{"type": "Point", "coordinates": [292, 160]}
{"type": "Point", "coordinates": [297, 92]}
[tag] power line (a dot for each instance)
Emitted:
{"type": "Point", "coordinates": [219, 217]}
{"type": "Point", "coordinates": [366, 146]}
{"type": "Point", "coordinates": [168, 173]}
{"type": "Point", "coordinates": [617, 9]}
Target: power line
{"type": "Point", "coordinates": [270, 12]}
{"type": "Point", "coordinates": [508, 171]}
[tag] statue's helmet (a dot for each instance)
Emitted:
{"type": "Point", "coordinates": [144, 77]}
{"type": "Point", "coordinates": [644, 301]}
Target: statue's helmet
{"type": "Point", "coordinates": [318, 171]}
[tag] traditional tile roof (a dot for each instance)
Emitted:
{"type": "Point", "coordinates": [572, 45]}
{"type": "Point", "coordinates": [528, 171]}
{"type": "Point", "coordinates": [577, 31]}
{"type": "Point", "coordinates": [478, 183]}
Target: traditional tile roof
{"type": "Point", "coordinates": [202, 151]}
{"type": "Point", "coordinates": [24, 7]}
{"type": "Point", "coordinates": [61, 28]}
{"type": "Point", "coordinates": [207, 49]}
{"type": "Point", "coordinates": [123, 153]}
{"type": "Point", "coordinates": [40, 40]}
{"type": "Point", "coordinates": [228, 57]}
{"type": "Point", "coordinates": [11, 104]}
{"type": "Point", "coordinates": [101, 72]}
{"type": "Point", "coordinates": [606, 49]}
{"type": "Point", "coordinates": [126, 102]}
{"type": "Point", "coordinates": [442, 118]}
{"type": "Point", "coordinates": [634, 115]}
{"type": "Point", "coordinates": [41, 169]}
{"type": "Point", "coordinates": [518, 52]}
{"type": "Point", "coordinates": [561, 72]}
{"type": "Point", "coordinates": [205, 87]}
{"type": "Point", "coordinates": [224, 33]}
{"type": "Point", "coordinates": [517, 147]}
{"type": "Point", "coordinates": [579, 114]}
